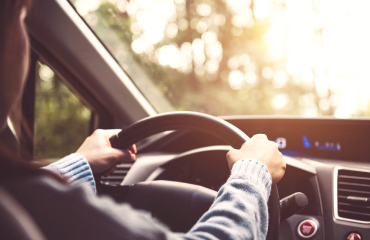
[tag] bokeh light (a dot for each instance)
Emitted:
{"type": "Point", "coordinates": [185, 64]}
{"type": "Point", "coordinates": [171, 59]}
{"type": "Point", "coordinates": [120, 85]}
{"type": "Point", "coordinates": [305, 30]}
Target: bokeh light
{"type": "Point", "coordinates": [303, 57]}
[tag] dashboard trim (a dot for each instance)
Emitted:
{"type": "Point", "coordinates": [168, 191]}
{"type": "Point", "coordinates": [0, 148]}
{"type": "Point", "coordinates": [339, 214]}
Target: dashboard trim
{"type": "Point", "coordinates": [335, 194]}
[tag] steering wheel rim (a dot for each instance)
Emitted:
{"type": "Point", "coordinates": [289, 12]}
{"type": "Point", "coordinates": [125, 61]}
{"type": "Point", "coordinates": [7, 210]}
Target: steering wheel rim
{"type": "Point", "coordinates": [217, 127]}
{"type": "Point", "coordinates": [179, 121]}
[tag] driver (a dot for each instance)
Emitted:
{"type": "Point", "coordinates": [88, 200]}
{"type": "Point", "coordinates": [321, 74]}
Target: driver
{"type": "Point", "coordinates": [63, 209]}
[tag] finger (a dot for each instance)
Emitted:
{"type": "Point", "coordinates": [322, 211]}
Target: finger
{"type": "Point", "coordinates": [273, 143]}
{"type": "Point", "coordinates": [122, 156]}
{"type": "Point", "coordinates": [260, 136]}
{"type": "Point", "coordinates": [133, 149]}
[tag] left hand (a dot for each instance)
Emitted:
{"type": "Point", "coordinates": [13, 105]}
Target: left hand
{"type": "Point", "coordinates": [101, 156]}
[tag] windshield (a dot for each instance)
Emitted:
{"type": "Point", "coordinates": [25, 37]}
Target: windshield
{"type": "Point", "coordinates": [233, 57]}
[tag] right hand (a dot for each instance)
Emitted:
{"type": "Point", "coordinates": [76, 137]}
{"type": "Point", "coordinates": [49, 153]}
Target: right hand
{"type": "Point", "coordinates": [102, 158]}
{"type": "Point", "coordinates": [261, 149]}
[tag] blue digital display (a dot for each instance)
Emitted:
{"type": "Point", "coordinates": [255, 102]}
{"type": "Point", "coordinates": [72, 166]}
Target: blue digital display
{"type": "Point", "coordinates": [322, 145]}
{"type": "Point", "coordinates": [306, 143]}
{"type": "Point", "coordinates": [327, 146]}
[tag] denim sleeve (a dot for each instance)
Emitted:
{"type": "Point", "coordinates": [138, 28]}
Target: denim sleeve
{"type": "Point", "coordinates": [240, 208]}
{"type": "Point", "coordinates": [74, 167]}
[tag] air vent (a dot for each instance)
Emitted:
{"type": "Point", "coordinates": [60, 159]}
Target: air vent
{"type": "Point", "coordinates": [117, 177]}
{"type": "Point", "coordinates": [354, 195]}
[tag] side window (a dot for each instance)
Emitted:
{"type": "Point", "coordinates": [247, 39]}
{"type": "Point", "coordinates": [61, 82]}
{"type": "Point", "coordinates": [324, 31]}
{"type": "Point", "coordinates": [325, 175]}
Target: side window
{"type": "Point", "coordinates": [61, 121]}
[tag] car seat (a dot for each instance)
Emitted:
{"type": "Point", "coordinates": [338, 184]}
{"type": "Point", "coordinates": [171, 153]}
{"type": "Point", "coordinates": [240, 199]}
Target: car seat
{"type": "Point", "coordinates": [15, 222]}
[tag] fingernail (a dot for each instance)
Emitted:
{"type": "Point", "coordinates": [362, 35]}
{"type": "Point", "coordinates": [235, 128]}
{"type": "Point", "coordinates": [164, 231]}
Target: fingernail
{"type": "Point", "coordinates": [133, 157]}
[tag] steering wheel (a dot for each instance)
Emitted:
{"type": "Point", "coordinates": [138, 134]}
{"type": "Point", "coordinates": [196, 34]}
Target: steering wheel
{"type": "Point", "coordinates": [198, 122]}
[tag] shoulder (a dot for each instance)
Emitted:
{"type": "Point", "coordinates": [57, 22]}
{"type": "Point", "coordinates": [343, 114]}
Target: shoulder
{"type": "Point", "coordinates": [75, 212]}
{"type": "Point", "coordinates": [41, 186]}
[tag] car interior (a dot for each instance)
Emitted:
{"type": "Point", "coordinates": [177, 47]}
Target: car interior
{"type": "Point", "coordinates": [324, 194]}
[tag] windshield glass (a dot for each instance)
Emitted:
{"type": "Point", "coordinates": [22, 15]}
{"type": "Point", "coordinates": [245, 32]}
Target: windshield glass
{"type": "Point", "coordinates": [234, 57]}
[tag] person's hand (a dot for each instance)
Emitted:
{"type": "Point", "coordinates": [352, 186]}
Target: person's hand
{"type": "Point", "coordinates": [261, 149]}
{"type": "Point", "coordinates": [101, 156]}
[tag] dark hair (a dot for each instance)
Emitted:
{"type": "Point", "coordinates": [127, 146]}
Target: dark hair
{"type": "Point", "coordinates": [11, 166]}
{"type": "Point", "coordinates": [10, 11]}
{"type": "Point", "coordinates": [10, 16]}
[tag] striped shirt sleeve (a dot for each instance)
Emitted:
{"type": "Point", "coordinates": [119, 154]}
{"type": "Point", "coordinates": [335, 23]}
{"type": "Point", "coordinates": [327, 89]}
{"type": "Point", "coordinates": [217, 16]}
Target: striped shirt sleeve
{"type": "Point", "coordinates": [75, 167]}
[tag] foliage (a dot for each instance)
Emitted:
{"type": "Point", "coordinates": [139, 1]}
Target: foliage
{"type": "Point", "coordinates": [61, 120]}
{"type": "Point", "coordinates": [197, 89]}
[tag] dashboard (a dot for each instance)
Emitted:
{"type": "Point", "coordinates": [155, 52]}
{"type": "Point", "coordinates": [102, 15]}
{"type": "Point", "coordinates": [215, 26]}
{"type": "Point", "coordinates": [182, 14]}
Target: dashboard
{"type": "Point", "coordinates": [327, 138]}
{"type": "Point", "coordinates": [327, 160]}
